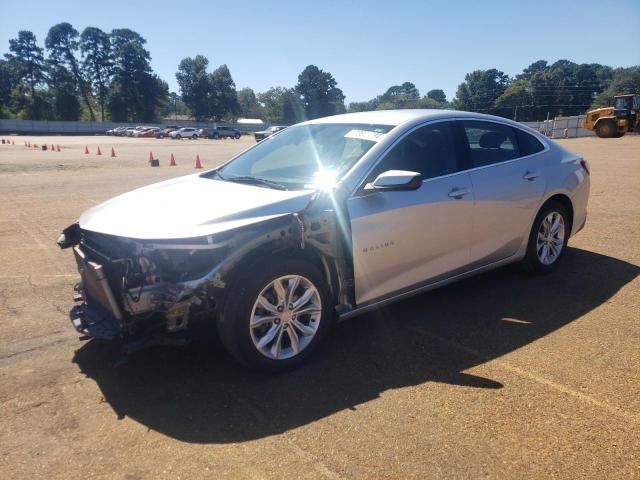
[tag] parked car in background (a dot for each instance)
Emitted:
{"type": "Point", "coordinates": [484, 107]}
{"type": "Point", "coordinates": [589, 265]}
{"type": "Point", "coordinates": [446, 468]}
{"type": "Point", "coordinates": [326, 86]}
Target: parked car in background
{"type": "Point", "coordinates": [115, 131]}
{"type": "Point", "coordinates": [220, 132]}
{"type": "Point", "coordinates": [187, 132]}
{"type": "Point", "coordinates": [329, 219]}
{"type": "Point", "coordinates": [128, 132]}
{"type": "Point", "coordinates": [164, 132]}
{"type": "Point", "coordinates": [149, 132]}
{"type": "Point", "coordinates": [268, 132]}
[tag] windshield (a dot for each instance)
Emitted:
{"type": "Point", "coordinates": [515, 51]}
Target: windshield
{"type": "Point", "coordinates": [622, 103]}
{"type": "Point", "coordinates": [306, 155]}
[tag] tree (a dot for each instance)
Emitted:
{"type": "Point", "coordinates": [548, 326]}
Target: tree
{"type": "Point", "coordinates": [437, 95]}
{"type": "Point", "coordinates": [195, 86]}
{"type": "Point", "coordinates": [399, 96]}
{"type": "Point", "coordinates": [532, 69]}
{"type": "Point", "coordinates": [517, 102]}
{"type": "Point", "coordinates": [135, 93]}
{"type": "Point", "coordinates": [63, 90]}
{"type": "Point", "coordinates": [8, 82]}
{"type": "Point", "coordinates": [248, 104]}
{"type": "Point", "coordinates": [480, 89]}
{"type": "Point", "coordinates": [62, 43]}
{"type": "Point", "coordinates": [426, 102]}
{"type": "Point", "coordinates": [95, 46]}
{"type": "Point", "coordinates": [27, 63]}
{"type": "Point", "coordinates": [224, 98]}
{"type": "Point", "coordinates": [624, 80]}
{"type": "Point", "coordinates": [319, 94]}
{"type": "Point", "coordinates": [282, 105]}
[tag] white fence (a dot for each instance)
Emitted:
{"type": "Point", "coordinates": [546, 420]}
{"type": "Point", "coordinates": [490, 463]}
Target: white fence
{"type": "Point", "coordinates": [98, 128]}
{"type": "Point", "coordinates": [562, 127]}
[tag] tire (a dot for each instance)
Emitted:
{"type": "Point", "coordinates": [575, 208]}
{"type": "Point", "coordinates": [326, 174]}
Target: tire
{"type": "Point", "coordinates": [606, 129]}
{"type": "Point", "coordinates": [535, 260]}
{"type": "Point", "coordinates": [216, 136]}
{"type": "Point", "coordinates": [178, 137]}
{"type": "Point", "coordinates": [194, 137]}
{"type": "Point", "coordinates": [237, 136]}
{"type": "Point", "coordinates": [278, 354]}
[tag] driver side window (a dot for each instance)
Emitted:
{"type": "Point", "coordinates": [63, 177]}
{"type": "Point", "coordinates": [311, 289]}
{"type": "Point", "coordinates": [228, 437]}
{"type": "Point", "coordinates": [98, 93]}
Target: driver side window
{"type": "Point", "coordinates": [429, 150]}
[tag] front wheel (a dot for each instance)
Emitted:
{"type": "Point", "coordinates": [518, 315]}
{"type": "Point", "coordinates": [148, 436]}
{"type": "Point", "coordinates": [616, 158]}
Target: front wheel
{"type": "Point", "coordinates": [237, 136]}
{"type": "Point", "coordinates": [606, 129]}
{"type": "Point", "coordinates": [178, 137]}
{"type": "Point", "coordinates": [548, 239]}
{"type": "Point", "coordinates": [277, 314]}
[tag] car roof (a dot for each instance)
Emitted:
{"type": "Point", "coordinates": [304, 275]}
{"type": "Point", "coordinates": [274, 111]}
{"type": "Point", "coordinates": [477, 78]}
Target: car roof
{"type": "Point", "coordinates": [398, 117]}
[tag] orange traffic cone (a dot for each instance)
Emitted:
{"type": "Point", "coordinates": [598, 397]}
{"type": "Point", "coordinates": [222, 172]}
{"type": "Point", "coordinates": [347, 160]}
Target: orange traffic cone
{"type": "Point", "coordinates": [173, 161]}
{"type": "Point", "coordinates": [29, 144]}
{"type": "Point", "coordinates": [25, 143]}
{"type": "Point", "coordinates": [86, 150]}
{"type": "Point", "coordinates": [198, 164]}
{"type": "Point", "coordinates": [150, 155]}
{"type": "Point", "coordinates": [98, 152]}
{"type": "Point", "coordinates": [58, 148]}
{"type": "Point", "coordinates": [113, 152]}
{"type": "Point", "coordinates": [53, 147]}
{"type": "Point", "coordinates": [13, 142]}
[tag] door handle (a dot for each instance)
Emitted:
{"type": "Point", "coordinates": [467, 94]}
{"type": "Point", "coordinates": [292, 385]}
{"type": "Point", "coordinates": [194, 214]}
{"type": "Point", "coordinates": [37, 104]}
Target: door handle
{"type": "Point", "coordinates": [531, 176]}
{"type": "Point", "coordinates": [458, 193]}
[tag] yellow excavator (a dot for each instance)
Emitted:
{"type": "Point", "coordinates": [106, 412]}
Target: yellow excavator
{"type": "Point", "coordinates": [610, 122]}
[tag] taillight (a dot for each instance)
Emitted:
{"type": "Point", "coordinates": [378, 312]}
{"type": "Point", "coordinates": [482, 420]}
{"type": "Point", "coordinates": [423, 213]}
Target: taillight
{"type": "Point", "coordinates": [585, 165]}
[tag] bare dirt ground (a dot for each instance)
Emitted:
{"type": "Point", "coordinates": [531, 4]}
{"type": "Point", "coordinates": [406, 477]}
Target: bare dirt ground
{"type": "Point", "coordinates": [500, 376]}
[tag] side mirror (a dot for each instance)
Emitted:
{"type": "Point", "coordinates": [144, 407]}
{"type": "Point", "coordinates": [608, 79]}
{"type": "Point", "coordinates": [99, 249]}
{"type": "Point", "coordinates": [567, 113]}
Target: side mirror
{"type": "Point", "coordinates": [395, 181]}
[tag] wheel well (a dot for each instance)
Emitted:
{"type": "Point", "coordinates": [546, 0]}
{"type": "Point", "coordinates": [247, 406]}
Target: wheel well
{"type": "Point", "coordinates": [273, 250]}
{"type": "Point", "coordinates": [565, 202]}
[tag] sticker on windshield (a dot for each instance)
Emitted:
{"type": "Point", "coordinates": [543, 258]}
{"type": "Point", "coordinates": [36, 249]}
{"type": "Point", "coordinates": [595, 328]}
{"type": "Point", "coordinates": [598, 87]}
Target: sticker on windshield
{"type": "Point", "coordinates": [365, 135]}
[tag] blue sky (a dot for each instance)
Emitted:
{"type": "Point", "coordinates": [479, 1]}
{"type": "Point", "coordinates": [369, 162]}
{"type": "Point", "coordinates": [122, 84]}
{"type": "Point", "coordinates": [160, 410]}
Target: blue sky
{"type": "Point", "coordinates": [367, 46]}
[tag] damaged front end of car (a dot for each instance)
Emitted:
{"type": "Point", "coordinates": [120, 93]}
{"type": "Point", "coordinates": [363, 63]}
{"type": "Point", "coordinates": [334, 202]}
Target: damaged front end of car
{"type": "Point", "coordinates": [146, 292]}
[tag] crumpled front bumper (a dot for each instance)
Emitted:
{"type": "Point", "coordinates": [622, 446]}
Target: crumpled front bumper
{"type": "Point", "coordinates": [99, 315]}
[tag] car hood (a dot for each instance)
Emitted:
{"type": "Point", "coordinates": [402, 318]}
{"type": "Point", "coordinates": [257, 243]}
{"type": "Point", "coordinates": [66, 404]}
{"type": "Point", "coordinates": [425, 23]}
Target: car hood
{"type": "Point", "coordinates": [190, 206]}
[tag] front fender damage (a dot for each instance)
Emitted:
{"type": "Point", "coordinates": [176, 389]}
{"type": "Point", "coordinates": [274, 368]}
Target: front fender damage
{"type": "Point", "coordinates": [174, 289]}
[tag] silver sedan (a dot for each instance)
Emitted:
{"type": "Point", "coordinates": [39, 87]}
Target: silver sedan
{"type": "Point", "coordinates": [323, 221]}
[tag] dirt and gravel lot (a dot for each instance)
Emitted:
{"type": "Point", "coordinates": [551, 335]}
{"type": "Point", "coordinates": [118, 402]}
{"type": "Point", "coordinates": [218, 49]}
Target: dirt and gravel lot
{"type": "Point", "coordinates": [500, 376]}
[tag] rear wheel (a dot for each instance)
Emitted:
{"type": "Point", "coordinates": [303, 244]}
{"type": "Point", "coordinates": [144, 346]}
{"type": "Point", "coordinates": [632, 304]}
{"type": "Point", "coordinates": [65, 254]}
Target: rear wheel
{"type": "Point", "coordinates": [606, 129]}
{"type": "Point", "coordinates": [279, 313]}
{"type": "Point", "coordinates": [179, 137]}
{"type": "Point", "coordinates": [194, 137]}
{"type": "Point", "coordinates": [237, 136]}
{"type": "Point", "coordinates": [548, 239]}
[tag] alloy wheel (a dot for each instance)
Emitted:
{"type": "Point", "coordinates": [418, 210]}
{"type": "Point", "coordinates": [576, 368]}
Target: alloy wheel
{"type": "Point", "coordinates": [550, 240]}
{"type": "Point", "coordinates": [285, 317]}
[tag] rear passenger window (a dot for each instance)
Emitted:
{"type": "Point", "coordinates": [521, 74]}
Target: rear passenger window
{"type": "Point", "coordinates": [528, 144]}
{"type": "Point", "coordinates": [490, 143]}
{"type": "Point", "coordinates": [429, 150]}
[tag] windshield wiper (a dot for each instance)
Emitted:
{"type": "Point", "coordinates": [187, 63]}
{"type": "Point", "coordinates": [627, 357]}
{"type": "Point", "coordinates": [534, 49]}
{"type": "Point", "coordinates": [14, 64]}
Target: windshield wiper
{"type": "Point", "coordinates": [257, 181]}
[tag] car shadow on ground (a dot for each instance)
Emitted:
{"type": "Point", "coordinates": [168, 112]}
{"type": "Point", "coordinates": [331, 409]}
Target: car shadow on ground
{"type": "Point", "coordinates": [197, 394]}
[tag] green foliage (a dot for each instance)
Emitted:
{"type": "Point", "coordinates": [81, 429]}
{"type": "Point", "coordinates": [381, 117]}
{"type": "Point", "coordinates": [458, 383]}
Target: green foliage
{"type": "Point", "coordinates": [208, 95]}
{"type": "Point", "coordinates": [624, 80]}
{"type": "Point", "coordinates": [480, 90]}
{"type": "Point", "coordinates": [282, 106]}
{"type": "Point", "coordinates": [402, 96]}
{"type": "Point", "coordinates": [194, 84]}
{"type": "Point", "coordinates": [437, 95]}
{"type": "Point", "coordinates": [95, 46]}
{"type": "Point", "coordinates": [223, 100]}
{"type": "Point", "coordinates": [135, 92]}
{"type": "Point", "coordinates": [319, 93]}
{"type": "Point", "coordinates": [62, 43]}
{"type": "Point", "coordinates": [26, 62]}
{"type": "Point", "coordinates": [248, 104]}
